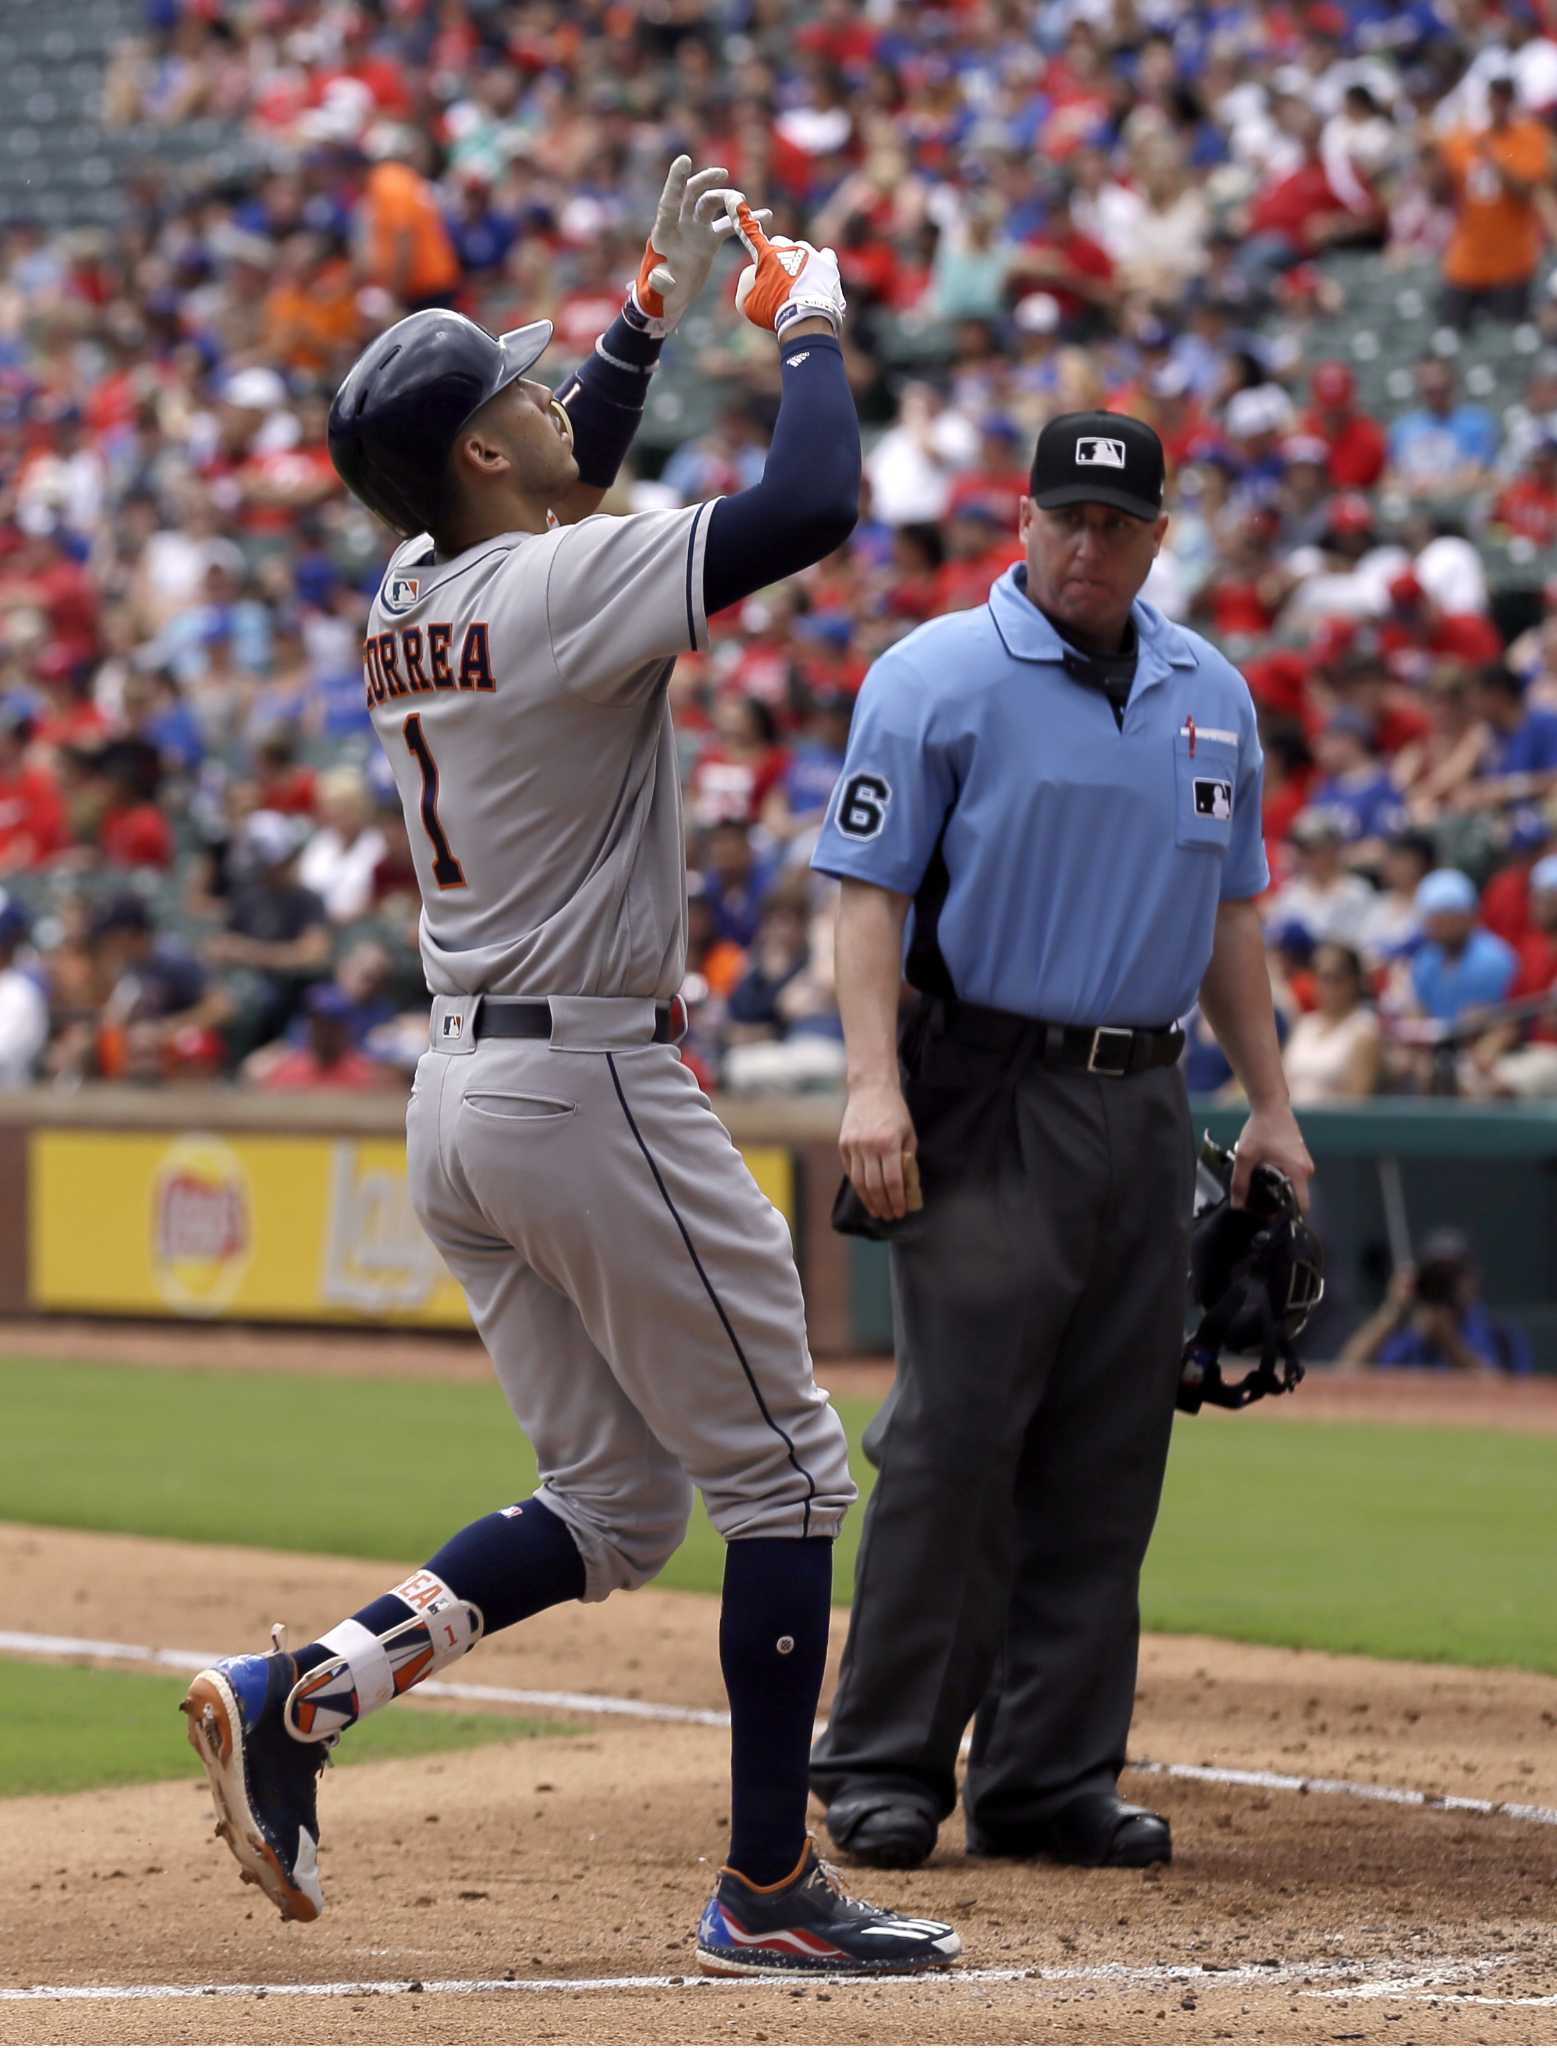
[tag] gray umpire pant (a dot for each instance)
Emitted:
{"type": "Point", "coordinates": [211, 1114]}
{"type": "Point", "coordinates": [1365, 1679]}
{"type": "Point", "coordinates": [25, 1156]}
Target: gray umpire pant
{"type": "Point", "coordinates": [1039, 1306]}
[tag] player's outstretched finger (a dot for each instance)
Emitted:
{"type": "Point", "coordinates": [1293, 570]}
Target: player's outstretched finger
{"type": "Point", "coordinates": [668, 212]}
{"type": "Point", "coordinates": [753, 236]}
{"type": "Point", "coordinates": [698, 187]}
{"type": "Point", "coordinates": [714, 213]}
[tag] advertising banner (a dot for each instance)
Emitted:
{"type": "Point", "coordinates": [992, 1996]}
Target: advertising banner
{"type": "Point", "coordinates": [301, 1229]}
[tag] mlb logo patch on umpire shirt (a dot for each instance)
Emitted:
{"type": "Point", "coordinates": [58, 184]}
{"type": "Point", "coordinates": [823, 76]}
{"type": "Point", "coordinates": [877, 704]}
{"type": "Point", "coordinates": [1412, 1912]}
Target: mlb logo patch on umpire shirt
{"type": "Point", "coordinates": [1213, 798]}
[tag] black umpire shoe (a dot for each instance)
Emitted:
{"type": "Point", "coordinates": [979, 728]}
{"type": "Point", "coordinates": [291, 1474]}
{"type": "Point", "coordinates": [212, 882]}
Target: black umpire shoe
{"type": "Point", "coordinates": [885, 1830]}
{"type": "Point", "coordinates": [1096, 1829]}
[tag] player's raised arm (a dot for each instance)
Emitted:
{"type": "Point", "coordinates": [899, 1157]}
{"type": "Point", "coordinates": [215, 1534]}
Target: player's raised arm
{"type": "Point", "coordinates": [623, 594]}
{"type": "Point", "coordinates": [808, 499]}
{"type": "Point", "coordinates": [604, 398]}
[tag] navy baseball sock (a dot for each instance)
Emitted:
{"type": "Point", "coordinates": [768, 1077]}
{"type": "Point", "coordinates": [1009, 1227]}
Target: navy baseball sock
{"type": "Point", "coordinates": [510, 1564]}
{"type": "Point", "coordinates": [773, 1650]}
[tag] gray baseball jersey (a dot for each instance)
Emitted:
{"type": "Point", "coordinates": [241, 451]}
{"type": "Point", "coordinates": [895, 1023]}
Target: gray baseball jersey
{"type": "Point", "coordinates": [636, 1290]}
{"type": "Point", "coordinates": [519, 693]}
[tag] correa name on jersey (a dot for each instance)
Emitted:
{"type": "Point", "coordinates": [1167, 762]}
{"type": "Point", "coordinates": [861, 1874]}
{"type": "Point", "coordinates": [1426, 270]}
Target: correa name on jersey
{"type": "Point", "coordinates": [414, 661]}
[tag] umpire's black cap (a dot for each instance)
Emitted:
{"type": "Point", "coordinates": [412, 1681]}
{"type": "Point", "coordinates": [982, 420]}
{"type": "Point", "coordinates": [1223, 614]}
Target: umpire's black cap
{"type": "Point", "coordinates": [393, 422]}
{"type": "Point", "coordinates": [1099, 458]}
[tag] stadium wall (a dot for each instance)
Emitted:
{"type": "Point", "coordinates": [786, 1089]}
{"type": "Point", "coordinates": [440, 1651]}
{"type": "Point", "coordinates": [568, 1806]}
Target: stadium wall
{"type": "Point", "coordinates": [197, 1205]}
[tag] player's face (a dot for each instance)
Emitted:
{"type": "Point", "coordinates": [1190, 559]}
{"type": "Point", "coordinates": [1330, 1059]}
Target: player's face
{"type": "Point", "coordinates": [522, 443]}
{"type": "Point", "coordinates": [1085, 564]}
{"type": "Point", "coordinates": [542, 440]}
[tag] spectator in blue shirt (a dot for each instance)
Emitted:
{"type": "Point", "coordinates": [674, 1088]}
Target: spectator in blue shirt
{"type": "Point", "coordinates": [1434, 1317]}
{"type": "Point", "coordinates": [1441, 450]}
{"type": "Point", "coordinates": [1460, 965]}
{"type": "Point", "coordinates": [734, 881]}
{"type": "Point", "coordinates": [797, 806]}
{"type": "Point", "coordinates": [1356, 789]}
{"type": "Point", "coordinates": [1520, 764]}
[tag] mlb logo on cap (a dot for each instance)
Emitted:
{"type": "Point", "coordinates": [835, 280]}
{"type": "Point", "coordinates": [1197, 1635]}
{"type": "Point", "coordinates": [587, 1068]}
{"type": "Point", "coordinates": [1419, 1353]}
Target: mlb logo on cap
{"type": "Point", "coordinates": [1099, 458]}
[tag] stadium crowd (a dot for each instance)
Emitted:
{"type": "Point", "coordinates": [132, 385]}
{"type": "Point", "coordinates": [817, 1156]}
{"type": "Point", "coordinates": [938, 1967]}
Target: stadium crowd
{"type": "Point", "coordinates": [1153, 206]}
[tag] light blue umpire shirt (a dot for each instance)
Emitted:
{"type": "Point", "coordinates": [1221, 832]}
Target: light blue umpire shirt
{"type": "Point", "coordinates": [1066, 868]}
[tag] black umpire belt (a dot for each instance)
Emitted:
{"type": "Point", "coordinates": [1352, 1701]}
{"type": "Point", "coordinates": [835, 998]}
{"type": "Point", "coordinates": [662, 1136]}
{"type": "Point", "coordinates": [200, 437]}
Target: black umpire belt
{"type": "Point", "coordinates": [501, 1017]}
{"type": "Point", "coordinates": [1112, 1051]}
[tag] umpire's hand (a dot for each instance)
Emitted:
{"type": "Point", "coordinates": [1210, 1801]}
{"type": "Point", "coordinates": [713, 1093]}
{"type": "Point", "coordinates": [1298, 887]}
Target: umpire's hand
{"type": "Point", "coordinates": [878, 1147]}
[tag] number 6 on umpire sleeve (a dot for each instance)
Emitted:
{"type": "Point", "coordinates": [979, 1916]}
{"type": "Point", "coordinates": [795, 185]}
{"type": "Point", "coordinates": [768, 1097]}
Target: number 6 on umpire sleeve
{"type": "Point", "coordinates": [862, 806]}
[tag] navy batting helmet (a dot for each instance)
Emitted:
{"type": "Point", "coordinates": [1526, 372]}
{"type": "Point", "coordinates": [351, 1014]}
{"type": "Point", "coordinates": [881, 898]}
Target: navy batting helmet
{"type": "Point", "coordinates": [394, 421]}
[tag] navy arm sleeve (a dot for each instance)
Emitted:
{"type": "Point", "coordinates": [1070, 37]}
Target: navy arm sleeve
{"type": "Point", "coordinates": [808, 499]}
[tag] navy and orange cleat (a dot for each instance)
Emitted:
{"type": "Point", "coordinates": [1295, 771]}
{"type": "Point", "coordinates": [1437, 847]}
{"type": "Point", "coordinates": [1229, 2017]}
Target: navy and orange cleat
{"type": "Point", "coordinates": [264, 1781]}
{"type": "Point", "coordinates": [809, 1924]}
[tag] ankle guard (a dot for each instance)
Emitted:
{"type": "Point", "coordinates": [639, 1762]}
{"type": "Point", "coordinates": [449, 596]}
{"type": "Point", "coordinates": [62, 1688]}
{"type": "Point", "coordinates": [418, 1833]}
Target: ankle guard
{"type": "Point", "coordinates": [369, 1671]}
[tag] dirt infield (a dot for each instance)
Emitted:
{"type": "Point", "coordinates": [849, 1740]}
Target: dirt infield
{"type": "Point", "coordinates": [582, 1861]}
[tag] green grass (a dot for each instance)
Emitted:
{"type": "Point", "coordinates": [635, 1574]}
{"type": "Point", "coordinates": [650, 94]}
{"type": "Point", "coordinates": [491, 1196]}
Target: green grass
{"type": "Point", "coordinates": [70, 1729]}
{"type": "Point", "coordinates": [1391, 1541]}
{"type": "Point", "coordinates": [1395, 1542]}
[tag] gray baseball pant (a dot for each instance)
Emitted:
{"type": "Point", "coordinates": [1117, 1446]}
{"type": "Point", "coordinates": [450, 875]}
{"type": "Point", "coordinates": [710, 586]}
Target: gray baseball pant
{"type": "Point", "coordinates": [636, 1290]}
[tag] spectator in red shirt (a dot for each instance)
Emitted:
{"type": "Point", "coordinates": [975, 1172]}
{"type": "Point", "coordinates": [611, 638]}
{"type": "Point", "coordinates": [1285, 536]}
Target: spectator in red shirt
{"type": "Point", "coordinates": [586, 311]}
{"type": "Point", "coordinates": [133, 833]}
{"type": "Point", "coordinates": [1537, 947]}
{"type": "Point", "coordinates": [1358, 445]}
{"type": "Point", "coordinates": [1079, 92]}
{"type": "Point", "coordinates": [840, 36]}
{"type": "Point", "coordinates": [1174, 409]}
{"type": "Point", "coordinates": [731, 780]}
{"type": "Point", "coordinates": [1076, 272]}
{"type": "Point", "coordinates": [42, 575]}
{"type": "Point", "coordinates": [1416, 634]}
{"type": "Point", "coordinates": [1289, 776]}
{"type": "Point", "coordinates": [1521, 1060]}
{"type": "Point", "coordinates": [32, 818]}
{"type": "Point", "coordinates": [979, 547]}
{"type": "Point", "coordinates": [1298, 215]}
{"type": "Point", "coordinates": [283, 783]}
{"type": "Point", "coordinates": [995, 486]}
{"type": "Point", "coordinates": [1527, 507]}
{"type": "Point", "coordinates": [1505, 901]}
{"type": "Point", "coordinates": [1246, 592]}
{"type": "Point", "coordinates": [1361, 682]}
{"type": "Point", "coordinates": [329, 1060]}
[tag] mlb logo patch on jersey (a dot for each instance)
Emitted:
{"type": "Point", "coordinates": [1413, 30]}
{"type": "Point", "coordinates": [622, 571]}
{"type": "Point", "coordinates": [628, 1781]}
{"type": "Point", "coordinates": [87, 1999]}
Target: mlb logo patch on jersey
{"type": "Point", "coordinates": [1213, 798]}
{"type": "Point", "coordinates": [1099, 451]}
{"type": "Point", "coordinates": [400, 593]}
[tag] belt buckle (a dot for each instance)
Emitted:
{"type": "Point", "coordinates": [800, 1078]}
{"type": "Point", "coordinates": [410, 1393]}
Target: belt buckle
{"type": "Point", "coordinates": [1095, 1063]}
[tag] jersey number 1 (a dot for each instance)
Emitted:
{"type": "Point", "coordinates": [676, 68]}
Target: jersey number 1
{"type": "Point", "coordinates": [447, 872]}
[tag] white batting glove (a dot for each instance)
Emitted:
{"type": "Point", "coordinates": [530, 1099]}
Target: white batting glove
{"type": "Point", "coordinates": [691, 223]}
{"type": "Point", "coordinates": [785, 281]}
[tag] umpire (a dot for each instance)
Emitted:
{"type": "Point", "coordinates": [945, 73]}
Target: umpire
{"type": "Point", "coordinates": [1056, 799]}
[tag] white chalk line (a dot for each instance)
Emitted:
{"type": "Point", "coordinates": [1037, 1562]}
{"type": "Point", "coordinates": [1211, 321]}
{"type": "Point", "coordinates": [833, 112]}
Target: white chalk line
{"type": "Point", "coordinates": [27, 1645]}
{"type": "Point", "coordinates": [1196, 1976]}
{"type": "Point", "coordinates": [24, 1644]}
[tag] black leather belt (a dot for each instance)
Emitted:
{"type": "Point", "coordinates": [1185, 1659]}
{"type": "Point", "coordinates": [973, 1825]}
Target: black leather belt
{"type": "Point", "coordinates": [500, 1017]}
{"type": "Point", "coordinates": [1109, 1050]}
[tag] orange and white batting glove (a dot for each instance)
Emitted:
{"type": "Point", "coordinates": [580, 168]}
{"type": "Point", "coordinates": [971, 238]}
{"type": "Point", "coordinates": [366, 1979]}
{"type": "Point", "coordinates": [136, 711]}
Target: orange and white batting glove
{"type": "Point", "coordinates": [691, 224]}
{"type": "Point", "coordinates": [785, 281]}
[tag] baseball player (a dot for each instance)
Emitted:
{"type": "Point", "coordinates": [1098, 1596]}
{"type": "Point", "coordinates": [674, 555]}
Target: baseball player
{"type": "Point", "coordinates": [636, 1291]}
